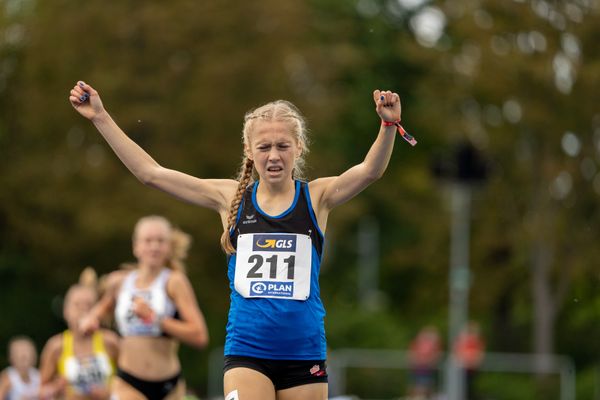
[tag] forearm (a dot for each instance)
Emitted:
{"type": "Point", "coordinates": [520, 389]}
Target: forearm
{"type": "Point", "coordinates": [378, 157]}
{"type": "Point", "coordinates": [187, 332]}
{"type": "Point", "coordinates": [133, 156]}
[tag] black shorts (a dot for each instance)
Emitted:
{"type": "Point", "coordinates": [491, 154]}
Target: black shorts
{"type": "Point", "coordinates": [152, 390]}
{"type": "Point", "coordinates": [284, 374]}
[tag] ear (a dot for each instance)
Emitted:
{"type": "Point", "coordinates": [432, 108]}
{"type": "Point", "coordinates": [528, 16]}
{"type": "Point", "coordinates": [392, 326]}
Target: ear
{"type": "Point", "coordinates": [248, 152]}
{"type": "Point", "coordinates": [134, 250]}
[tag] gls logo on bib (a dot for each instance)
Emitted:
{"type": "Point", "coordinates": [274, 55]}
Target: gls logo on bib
{"type": "Point", "coordinates": [272, 242]}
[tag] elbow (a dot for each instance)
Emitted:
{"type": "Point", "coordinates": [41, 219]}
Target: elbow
{"type": "Point", "coordinates": [147, 176]}
{"type": "Point", "coordinates": [373, 175]}
{"type": "Point", "coordinates": [200, 340]}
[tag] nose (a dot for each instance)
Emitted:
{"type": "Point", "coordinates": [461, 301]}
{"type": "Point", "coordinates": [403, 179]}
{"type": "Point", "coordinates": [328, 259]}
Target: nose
{"type": "Point", "coordinates": [274, 153]}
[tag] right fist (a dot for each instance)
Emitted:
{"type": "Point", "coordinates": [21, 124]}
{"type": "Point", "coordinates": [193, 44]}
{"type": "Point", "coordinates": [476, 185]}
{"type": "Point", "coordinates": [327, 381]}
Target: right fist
{"type": "Point", "coordinates": [85, 100]}
{"type": "Point", "coordinates": [88, 324]}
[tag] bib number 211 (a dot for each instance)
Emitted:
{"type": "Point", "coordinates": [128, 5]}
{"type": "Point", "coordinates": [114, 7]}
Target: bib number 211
{"type": "Point", "coordinates": [273, 265]}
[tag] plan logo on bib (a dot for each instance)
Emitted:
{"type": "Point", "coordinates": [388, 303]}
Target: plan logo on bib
{"type": "Point", "coordinates": [270, 288]}
{"type": "Point", "coordinates": [274, 242]}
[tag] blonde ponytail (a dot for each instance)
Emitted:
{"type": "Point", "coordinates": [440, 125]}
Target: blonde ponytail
{"type": "Point", "coordinates": [180, 244]}
{"type": "Point", "coordinates": [89, 278]}
{"type": "Point", "coordinates": [244, 179]}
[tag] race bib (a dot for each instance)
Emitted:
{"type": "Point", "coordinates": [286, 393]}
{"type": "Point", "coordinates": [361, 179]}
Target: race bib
{"type": "Point", "coordinates": [273, 265]}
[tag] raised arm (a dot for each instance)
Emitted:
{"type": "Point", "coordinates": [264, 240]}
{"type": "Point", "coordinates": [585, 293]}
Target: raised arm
{"type": "Point", "coordinates": [215, 194]}
{"type": "Point", "coordinates": [332, 191]}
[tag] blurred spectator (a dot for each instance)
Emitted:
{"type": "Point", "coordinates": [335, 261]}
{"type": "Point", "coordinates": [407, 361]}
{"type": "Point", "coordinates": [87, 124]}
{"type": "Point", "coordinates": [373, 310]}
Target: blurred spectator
{"type": "Point", "coordinates": [424, 354]}
{"type": "Point", "coordinates": [469, 350]}
{"type": "Point", "coordinates": [20, 381]}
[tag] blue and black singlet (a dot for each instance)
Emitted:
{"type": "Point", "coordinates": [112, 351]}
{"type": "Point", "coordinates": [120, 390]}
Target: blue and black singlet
{"type": "Point", "coordinates": [276, 310]}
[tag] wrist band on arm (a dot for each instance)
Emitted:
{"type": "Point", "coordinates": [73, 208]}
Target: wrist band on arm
{"type": "Point", "coordinates": [401, 131]}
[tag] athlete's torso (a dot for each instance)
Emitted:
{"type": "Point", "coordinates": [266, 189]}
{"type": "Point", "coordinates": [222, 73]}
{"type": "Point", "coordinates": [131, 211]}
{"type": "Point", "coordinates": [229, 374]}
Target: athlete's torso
{"type": "Point", "coordinates": [82, 373]}
{"type": "Point", "coordinates": [21, 390]}
{"type": "Point", "coordinates": [276, 310]}
{"type": "Point", "coordinates": [154, 295]}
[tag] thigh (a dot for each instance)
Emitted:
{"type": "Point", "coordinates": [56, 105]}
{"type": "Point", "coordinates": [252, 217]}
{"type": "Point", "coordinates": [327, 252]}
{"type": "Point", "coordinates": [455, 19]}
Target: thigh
{"type": "Point", "coordinates": [249, 384]}
{"type": "Point", "coordinates": [178, 391]}
{"type": "Point", "coordinates": [311, 391]}
{"type": "Point", "coordinates": [124, 391]}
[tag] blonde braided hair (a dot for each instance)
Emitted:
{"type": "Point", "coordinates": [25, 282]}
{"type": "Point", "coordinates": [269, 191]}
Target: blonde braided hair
{"type": "Point", "coordinates": [279, 110]}
{"type": "Point", "coordinates": [244, 179]}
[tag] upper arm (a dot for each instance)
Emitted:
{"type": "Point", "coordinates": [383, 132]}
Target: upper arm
{"type": "Point", "coordinates": [49, 358]}
{"type": "Point", "coordinates": [330, 192]}
{"type": "Point", "coordinates": [108, 299]}
{"type": "Point", "coordinates": [4, 384]}
{"type": "Point", "coordinates": [180, 290]}
{"type": "Point", "coordinates": [215, 194]}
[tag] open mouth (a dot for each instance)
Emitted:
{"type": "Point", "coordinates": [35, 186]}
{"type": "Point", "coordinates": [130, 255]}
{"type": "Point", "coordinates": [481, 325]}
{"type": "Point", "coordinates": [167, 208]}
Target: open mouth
{"type": "Point", "coordinates": [274, 169]}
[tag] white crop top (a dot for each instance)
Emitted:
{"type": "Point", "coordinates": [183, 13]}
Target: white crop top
{"type": "Point", "coordinates": [20, 390]}
{"type": "Point", "coordinates": [154, 295]}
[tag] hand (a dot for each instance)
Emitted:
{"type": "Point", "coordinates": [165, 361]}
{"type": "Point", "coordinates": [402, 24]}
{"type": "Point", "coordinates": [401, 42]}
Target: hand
{"type": "Point", "coordinates": [98, 392]}
{"type": "Point", "coordinates": [86, 100]}
{"type": "Point", "coordinates": [88, 324]}
{"type": "Point", "coordinates": [143, 311]}
{"type": "Point", "coordinates": [387, 105]}
{"type": "Point", "coordinates": [52, 390]}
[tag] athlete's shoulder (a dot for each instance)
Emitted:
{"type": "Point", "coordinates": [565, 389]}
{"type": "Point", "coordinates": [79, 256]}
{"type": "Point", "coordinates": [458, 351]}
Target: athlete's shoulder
{"type": "Point", "coordinates": [5, 384]}
{"type": "Point", "coordinates": [318, 186]}
{"type": "Point", "coordinates": [176, 281]}
{"type": "Point", "coordinates": [4, 374]}
{"type": "Point", "coordinates": [115, 278]}
{"type": "Point", "coordinates": [54, 345]}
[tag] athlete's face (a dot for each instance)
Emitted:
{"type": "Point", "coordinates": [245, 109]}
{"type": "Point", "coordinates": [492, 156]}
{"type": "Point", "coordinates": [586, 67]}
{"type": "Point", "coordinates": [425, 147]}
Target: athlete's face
{"type": "Point", "coordinates": [78, 302]}
{"type": "Point", "coordinates": [274, 150]}
{"type": "Point", "coordinates": [152, 243]}
{"type": "Point", "coordinates": [22, 355]}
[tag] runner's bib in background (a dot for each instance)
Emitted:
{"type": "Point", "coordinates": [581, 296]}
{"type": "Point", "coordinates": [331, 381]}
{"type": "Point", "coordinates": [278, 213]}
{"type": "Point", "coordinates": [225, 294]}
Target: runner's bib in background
{"type": "Point", "coordinates": [273, 265]}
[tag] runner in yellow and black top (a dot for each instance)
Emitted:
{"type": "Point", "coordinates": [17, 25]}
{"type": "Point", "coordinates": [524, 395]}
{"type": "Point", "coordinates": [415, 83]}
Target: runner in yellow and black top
{"type": "Point", "coordinates": [75, 366]}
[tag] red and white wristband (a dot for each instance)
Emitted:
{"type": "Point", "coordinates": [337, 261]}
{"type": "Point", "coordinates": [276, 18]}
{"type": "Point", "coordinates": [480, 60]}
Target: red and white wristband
{"type": "Point", "coordinates": [401, 131]}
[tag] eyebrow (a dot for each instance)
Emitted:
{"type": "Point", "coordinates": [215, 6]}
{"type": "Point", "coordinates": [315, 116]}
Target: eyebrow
{"type": "Point", "coordinates": [268, 142]}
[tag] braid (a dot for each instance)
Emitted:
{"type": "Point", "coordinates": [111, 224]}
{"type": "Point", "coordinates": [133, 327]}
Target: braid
{"type": "Point", "coordinates": [244, 179]}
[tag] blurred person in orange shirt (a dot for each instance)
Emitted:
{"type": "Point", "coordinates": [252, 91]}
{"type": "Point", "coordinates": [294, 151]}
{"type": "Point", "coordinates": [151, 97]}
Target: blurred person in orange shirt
{"type": "Point", "coordinates": [424, 355]}
{"type": "Point", "coordinates": [469, 350]}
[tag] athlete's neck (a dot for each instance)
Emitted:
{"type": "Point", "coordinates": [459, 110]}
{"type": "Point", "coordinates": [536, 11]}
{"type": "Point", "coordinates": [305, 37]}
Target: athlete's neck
{"type": "Point", "coordinates": [268, 190]}
{"type": "Point", "coordinates": [76, 333]}
{"type": "Point", "coordinates": [147, 273]}
{"type": "Point", "coordinates": [23, 374]}
{"type": "Point", "coordinates": [275, 199]}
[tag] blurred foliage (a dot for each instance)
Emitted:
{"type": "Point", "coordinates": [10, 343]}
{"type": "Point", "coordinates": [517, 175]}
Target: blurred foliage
{"type": "Point", "coordinates": [516, 78]}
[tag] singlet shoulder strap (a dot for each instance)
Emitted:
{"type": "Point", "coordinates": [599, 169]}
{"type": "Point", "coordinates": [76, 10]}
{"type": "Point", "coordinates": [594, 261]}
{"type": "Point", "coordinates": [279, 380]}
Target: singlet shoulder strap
{"type": "Point", "coordinates": [68, 343]}
{"type": "Point", "coordinates": [67, 351]}
{"type": "Point", "coordinates": [245, 197]}
{"type": "Point", "coordinates": [98, 343]}
{"type": "Point", "coordinates": [13, 375]}
{"type": "Point", "coordinates": [311, 210]}
{"type": "Point", "coordinates": [129, 280]}
{"type": "Point", "coordinates": [162, 278]}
